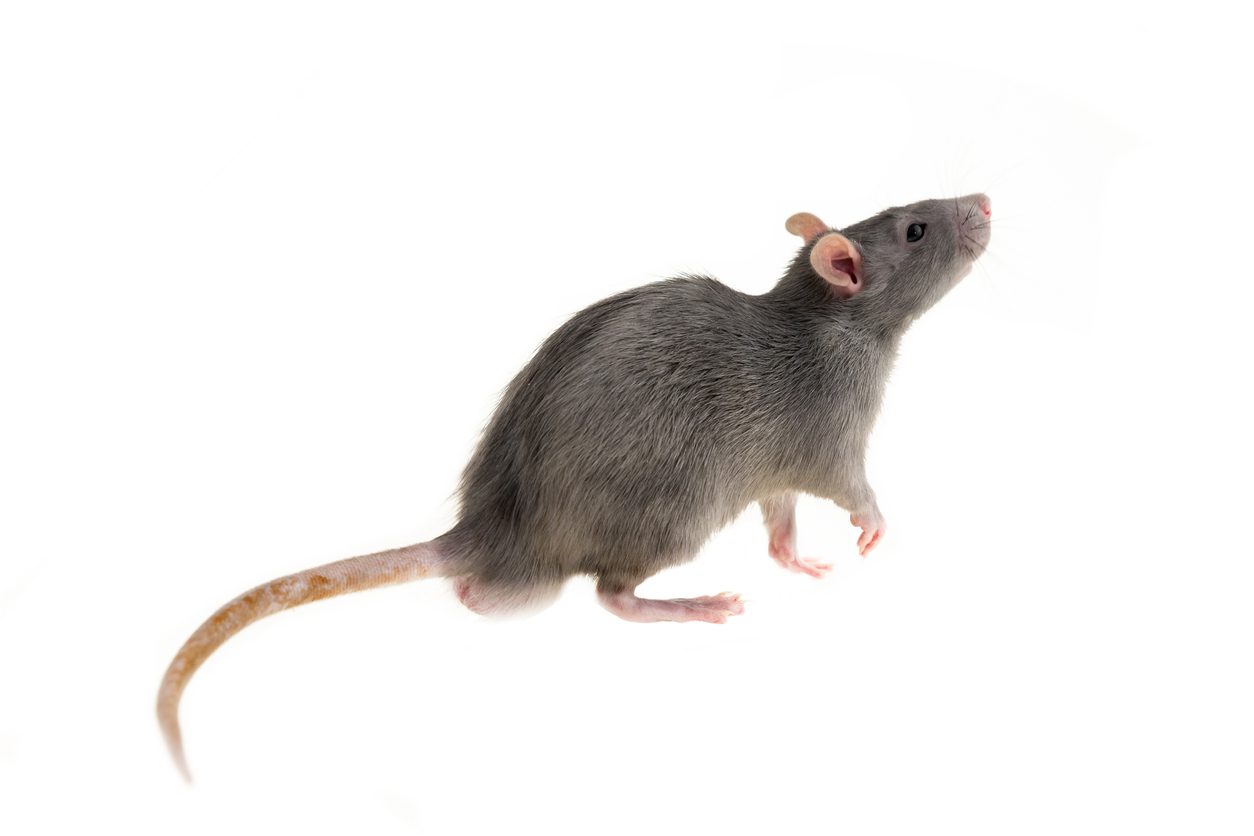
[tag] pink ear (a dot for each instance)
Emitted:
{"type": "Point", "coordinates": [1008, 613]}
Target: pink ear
{"type": "Point", "coordinates": [806, 225]}
{"type": "Point", "coordinates": [837, 260]}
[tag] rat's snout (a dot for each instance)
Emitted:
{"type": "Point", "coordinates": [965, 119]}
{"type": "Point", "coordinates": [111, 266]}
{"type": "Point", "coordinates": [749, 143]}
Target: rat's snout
{"type": "Point", "coordinates": [975, 222]}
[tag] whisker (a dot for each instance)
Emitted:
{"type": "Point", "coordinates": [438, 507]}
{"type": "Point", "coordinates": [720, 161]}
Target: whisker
{"type": "Point", "coordinates": [996, 256]}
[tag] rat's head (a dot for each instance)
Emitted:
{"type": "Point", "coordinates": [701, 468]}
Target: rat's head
{"type": "Point", "coordinates": [894, 266]}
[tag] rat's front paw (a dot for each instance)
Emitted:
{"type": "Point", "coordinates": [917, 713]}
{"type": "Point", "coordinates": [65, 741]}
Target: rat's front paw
{"type": "Point", "coordinates": [873, 527]}
{"type": "Point", "coordinates": [789, 559]}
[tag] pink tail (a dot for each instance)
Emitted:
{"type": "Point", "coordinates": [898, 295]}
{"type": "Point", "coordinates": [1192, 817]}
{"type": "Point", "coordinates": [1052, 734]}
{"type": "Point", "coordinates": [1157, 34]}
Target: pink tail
{"type": "Point", "coordinates": [352, 575]}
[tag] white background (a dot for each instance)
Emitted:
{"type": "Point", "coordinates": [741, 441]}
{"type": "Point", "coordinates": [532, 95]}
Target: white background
{"type": "Point", "coordinates": [266, 268]}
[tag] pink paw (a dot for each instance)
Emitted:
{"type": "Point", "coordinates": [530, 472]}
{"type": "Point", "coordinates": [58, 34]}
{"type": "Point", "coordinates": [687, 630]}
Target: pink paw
{"type": "Point", "coordinates": [808, 565]}
{"type": "Point", "coordinates": [712, 609]}
{"type": "Point", "coordinates": [873, 528]}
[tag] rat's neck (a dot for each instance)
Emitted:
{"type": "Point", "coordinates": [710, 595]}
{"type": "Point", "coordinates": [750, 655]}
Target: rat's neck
{"type": "Point", "coordinates": [806, 293]}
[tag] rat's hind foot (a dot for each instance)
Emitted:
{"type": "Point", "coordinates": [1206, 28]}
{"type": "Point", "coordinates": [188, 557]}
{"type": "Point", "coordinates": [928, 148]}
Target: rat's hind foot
{"type": "Point", "coordinates": [713, 609]}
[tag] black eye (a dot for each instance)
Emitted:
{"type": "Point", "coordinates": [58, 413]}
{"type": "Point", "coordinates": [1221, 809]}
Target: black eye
{"type": "Point", "coordinates": [915, 231]}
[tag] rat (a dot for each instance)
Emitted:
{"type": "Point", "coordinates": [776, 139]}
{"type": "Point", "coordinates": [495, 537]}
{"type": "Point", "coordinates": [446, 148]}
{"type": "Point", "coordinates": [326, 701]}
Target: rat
{"type": "Point", "coordinates": [653, 418]}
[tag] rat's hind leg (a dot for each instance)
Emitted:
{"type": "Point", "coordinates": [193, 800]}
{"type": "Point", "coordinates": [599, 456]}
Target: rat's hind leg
{"type": "Point", "coordinates": [620, 599]}
{"type": "Point", "coordinates": [780, 515]}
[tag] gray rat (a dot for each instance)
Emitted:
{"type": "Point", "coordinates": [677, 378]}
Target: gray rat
{"type": "Point", "coordinates": [653, 418]}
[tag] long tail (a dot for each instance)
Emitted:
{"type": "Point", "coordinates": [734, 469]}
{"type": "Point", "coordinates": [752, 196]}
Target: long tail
{"type": "Point", "coordinates": [351, 575]}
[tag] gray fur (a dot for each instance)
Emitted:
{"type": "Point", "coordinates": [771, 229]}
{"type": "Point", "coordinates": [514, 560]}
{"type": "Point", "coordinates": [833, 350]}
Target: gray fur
{"type": "Point", "coordinates": [649, 421]}
{"type": "Point", "coordinates": [654, 417]}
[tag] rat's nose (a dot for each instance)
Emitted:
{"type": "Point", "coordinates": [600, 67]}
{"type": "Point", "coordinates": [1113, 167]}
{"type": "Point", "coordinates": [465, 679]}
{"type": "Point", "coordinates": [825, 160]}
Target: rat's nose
{"type": "Point", "coordinates": [972, 206]}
